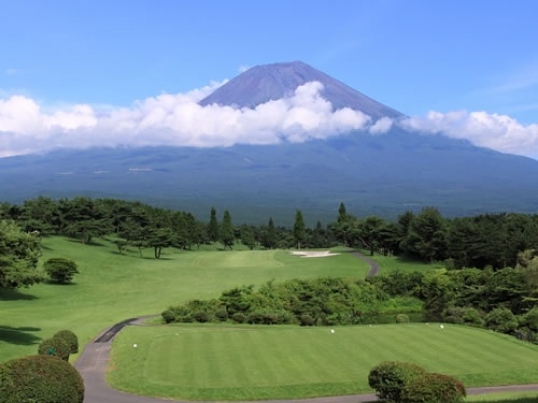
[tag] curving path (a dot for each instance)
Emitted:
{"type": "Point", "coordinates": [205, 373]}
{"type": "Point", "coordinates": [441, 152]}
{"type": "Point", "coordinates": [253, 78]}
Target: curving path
{"type": "Point", "coordinates": [93, 363]}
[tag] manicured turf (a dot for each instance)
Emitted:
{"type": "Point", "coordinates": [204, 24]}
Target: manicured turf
{"type": "Point", "coordinates": [508, 397]}
{"type": "Point", "coordinates": [239, 362]}
{"type": "Point", "coordinates": [113, 287]}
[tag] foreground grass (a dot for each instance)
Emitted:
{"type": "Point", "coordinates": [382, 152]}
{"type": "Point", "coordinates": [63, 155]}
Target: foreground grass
{"type": "Point", "coordinates": [253, 362]}
{"type": "Point", "coordinates": [508, 397]}
{"type": "Point", "coordinates": [113, 287]}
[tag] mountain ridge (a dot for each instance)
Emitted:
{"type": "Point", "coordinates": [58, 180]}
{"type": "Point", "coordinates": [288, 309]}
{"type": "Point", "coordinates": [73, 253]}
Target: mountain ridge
{"type": "Point", "coordinates": [382, 174]}
{"type": "Point", "coordinates": [263, 83]}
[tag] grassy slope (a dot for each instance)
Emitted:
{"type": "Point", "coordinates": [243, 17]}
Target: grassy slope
{"type": "Point", "coordinates": [238, 363]}
{"type": "Point", "coordinates": [113, 287]}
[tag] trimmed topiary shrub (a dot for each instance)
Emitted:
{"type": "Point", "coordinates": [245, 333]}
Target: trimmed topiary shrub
{"type": "Point", "coordinates": [39, 378]}
{"type": "Point", "coordinates": [70, 338]}
{"type": "Point", "coordinates": [433, 388]}
{"type": "Point", "coordinates": [55, 347]}
{"type": "Point", "coordinates": [389, 378]}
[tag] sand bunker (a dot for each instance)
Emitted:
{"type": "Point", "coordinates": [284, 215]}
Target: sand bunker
{"type": "Point", "coordinates": [317, 253]}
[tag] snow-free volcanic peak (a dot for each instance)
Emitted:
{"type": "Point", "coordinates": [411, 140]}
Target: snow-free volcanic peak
{"type": "Point", "coordinates": [264, 83]}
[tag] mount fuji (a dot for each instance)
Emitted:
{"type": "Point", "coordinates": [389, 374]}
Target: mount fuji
{"type": "Point", "coordinates": [383, 174]}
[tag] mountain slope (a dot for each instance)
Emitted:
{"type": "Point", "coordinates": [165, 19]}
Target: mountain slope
{"type": "Point", "coordinates": [261, 84]}
{"type": "Point", "coordinates": [382, 174]}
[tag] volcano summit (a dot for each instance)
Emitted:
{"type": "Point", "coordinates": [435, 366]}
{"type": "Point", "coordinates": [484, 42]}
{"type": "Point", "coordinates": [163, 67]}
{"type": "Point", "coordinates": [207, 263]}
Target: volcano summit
{"type": "Point", "coordinates": [385, 173]}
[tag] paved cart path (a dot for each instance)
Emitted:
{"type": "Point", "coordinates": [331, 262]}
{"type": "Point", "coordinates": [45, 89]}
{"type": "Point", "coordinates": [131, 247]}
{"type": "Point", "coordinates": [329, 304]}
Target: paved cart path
{"type": "Point", "coordinates": [93, 363]}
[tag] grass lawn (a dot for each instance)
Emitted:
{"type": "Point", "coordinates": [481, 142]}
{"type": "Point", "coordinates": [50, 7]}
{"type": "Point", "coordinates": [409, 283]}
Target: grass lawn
{"type": "Point", "coordinates": [508, 397]}
{"type": "Point", "coordinates": [113, 287]}
{"type": "Point", "coordinates": [392, 263]}
{"type": "Point", "coordinates": [252, 362]}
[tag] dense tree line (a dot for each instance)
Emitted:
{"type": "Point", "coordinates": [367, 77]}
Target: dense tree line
{"type": "Point", "coordinates": [487, 240]}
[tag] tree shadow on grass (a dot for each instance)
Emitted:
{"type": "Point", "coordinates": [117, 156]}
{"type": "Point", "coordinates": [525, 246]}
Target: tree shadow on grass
{"type": "Point", "coordinates": [15, 295]}
{"type": "Point", "coordinates": [19, 335]}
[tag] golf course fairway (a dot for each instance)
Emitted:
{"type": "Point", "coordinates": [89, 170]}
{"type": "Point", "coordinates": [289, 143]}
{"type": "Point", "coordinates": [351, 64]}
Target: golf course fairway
{"type": "Point", "coordinates": [210, 362]}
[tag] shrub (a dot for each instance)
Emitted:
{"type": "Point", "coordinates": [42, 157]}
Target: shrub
{"type": "Point", "coordinates": [201, 317]}
{"type": "Point", "coordinates": [472, 317]}
{"type": "Point", "coordinates": [55, 347]}
{"type": "Point", "coordinates": [42, 379]}
{"type": "Point", "coordinates": [433, 388]}
{"type": "Point", "coordinates": [402, 318]}
{"type": "Point", "coordinates": [70, 338]}
{"type": "Point", "coordinates": [61, 270]}
{"type": "Point", "coordinates": [239, 317]}
{"type": "Point", "coordinates": [501, 320]}
{"type": "Point", "coordinates": [168, 316]}
{"type": "Point", "coordinates": [306, 320]}
{"type": "Point", "coordinates": [222, 314]}
{"type": "Point", "coordinates": [389, 378]}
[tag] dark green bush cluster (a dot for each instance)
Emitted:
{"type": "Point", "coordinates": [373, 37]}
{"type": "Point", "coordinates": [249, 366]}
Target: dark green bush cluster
{"type": "Point", "coordinates": [39, 378]}
{"type": "Point", "coordinates": [61, 270]}
{"type": "Point", "coordinates": [55, 347]}
{"type": "Point", "coordinates": [434, 388]}
{"type": "Point", "coordinates": [312, 302]}
{"type": "Point", "coordinates": [70, 338]}
{"type": "Point", "coordinates": [62, 345]}
{"type": "Point", "coordinates": [402, 382]}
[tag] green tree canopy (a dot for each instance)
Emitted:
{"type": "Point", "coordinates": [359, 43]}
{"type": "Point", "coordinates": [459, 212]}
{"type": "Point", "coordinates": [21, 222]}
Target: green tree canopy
{"type": "Point", "coordinates": [19, 253]}
{"type": "Point", "coordinates": [299, 229]}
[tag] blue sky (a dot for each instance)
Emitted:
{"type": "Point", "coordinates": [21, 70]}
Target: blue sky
{"type": "Point", "coordinates": [65, 64]}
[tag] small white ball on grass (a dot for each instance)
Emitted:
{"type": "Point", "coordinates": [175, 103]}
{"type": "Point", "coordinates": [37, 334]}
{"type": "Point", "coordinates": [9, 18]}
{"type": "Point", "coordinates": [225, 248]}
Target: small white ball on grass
{"type": "Point", "coordinates": [442, 326]}
{"type": "Point", "coordinates": [332, 330]}
{"type": "Point", "coordinates": [135, 345]}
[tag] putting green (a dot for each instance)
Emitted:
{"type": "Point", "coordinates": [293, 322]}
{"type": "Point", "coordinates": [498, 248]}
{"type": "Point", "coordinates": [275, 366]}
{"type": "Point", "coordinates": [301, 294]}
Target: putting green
{"type": "Point", "coordinates": [253, 362]}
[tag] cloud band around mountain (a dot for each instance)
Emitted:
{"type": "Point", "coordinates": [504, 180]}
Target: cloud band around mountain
{"type": "Point", "coordinates": [178, 120]}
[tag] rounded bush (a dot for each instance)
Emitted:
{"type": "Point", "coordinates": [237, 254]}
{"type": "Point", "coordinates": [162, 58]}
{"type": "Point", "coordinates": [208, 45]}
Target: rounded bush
{"type": "Point", "coordinates": [239, 317]}
{"type": "Point", "coordinates": [39, 378]}
{"type": "Point", "coordinates": [402, 318]}
{"type": "Point", "coordinates": [433, 388]}
{"type": "Point", "coordinates": [222, 314]}
{"type": "Point", "coordinates": [168, 316]}
{"type": "Point", "coordinates": [70, 338]}
{"type": "Point", "coordinates": [307, 320]}
{"type": "Point", "coordinates": [389, 378]}
{"type": "Point", "coordinates": [56, 347]}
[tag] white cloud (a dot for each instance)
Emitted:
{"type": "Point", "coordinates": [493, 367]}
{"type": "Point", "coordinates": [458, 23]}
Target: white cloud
{"type": "Point", "coordinates": [172, 119]}
{"type": "Point", "coordinates": [499, 132]}
{"type": "Point", "coordinates": [383, 125]}
{"type": "Point", "coordinates": [178, 119]}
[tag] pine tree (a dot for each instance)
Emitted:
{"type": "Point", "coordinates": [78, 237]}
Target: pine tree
{"type": "Point", "coordinates": [299, 231]}
{"type": "Point", "coordinates": [271, 234]}
{"type": "Point", "coordinates": [227, 230]}
{"type": "Point", "coordinates": [213, 227]}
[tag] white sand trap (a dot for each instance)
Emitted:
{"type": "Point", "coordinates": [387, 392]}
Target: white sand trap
{"type": "Point", "coordinates": [317, 253]}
